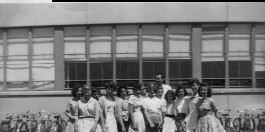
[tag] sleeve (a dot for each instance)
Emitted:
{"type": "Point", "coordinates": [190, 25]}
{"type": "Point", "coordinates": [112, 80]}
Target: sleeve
{"type": "Point", "coordinates": [68, 107]}
{"type": "Point", "coordinates": [213, 106]}
{"type": "Point", "coordinates": [97, 109]}
{"type": "Point", "coordinates": [118, 108]}
{"type": "Point", "coordinates": [101, 106]}
{"type": "Point", "coordinates": [130, 101]}
{"type": "Point", "coordinates": [144, 104]}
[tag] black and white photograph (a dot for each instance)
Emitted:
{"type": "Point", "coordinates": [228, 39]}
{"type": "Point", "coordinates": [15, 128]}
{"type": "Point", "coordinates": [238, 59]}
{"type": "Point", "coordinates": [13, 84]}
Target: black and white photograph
{"type": "Point", "coordinates": [132, 66]}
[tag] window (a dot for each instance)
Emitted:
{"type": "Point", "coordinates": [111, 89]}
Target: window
{"type": "Point", "coordinates": [240, 64]}
{"type": "Point", "coordinates": [43, 58]}
{"type": "Point", "coordinates": [17, 59]}
{"type": "Point", "coordinates": [75, 55]}
{"type": "Point", "coordinates": [1, 61]}
{"type": "Point", "coordinates": [101, 65]}
{"type": "Point", "coordinates": [153, 51]}
{"type": "Point", "coordinates": [180, 65]}
{"type": "Point", "coordinates": [127, 65]}
{"type": "Point", "coordinates": [213, 57]}
{"type": "Point", "coordinates": [260, 56]}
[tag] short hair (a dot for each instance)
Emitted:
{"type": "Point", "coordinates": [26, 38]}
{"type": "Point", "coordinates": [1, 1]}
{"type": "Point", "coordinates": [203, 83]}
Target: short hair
{"type": "Point", "coordinates": [209, 89]}
{"type": "Point", "coordinates": [162, 76]}
{"type": "Point", "coordinates": [170, 92]}
{"type": "Point", "coordinates": [95, 90]}
{"type": "Point", "coordinates": [195, 80]}
{"type": "Point", "coordinates": [151, 86]}
{"type": "Point", "coordinates": [75, 89]}
{"type": "Point", "coordinates": [179, 88]}
{"type": "Point", "coordinates": [119, 90]}
{"type": "Point", "coordinates": [111, 84]}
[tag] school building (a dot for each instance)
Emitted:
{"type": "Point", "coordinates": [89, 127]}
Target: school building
{"type": "Point", "coordinates": [45, 48]}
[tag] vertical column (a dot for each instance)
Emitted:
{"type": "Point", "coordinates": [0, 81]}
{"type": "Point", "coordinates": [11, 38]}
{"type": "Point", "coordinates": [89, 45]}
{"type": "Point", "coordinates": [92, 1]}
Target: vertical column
{"type": "Point", "coordinates": [113, 51]}
{"type": "Point", "coordinates": [88, 54]}
{"type": "Point", "coordinates": [252, 48]}
{"type": "Point", "coordinates": [59, 58]}
{"type": "Point", "coordinates": [226, 58]}
{"type": "Point", "coordinates": [166, 54]}
{"type": "Point", "coordinates": [196, 44]}
{"type": "Point", "coordinates": [30, 49]}
{"type": "Point", "coordinates": [140, 54]}
{"type": "Point", "coordinates": [5, 59]}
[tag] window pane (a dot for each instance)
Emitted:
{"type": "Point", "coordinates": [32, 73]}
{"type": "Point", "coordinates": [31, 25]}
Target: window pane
{"type": "Point", "coordinates": [76, 70]}
{"type": "Point", "coordinates": [237, 28]}
{"type": "Point", "coordinates": [17, 33]}
{"type": "Point", "coordinates": [101, 70]}
{"type": "Point", "coordinates": [153, 45]}
{"type": "Point", "coordinates": [100, 46]}
{"type": "Point", "coordinates": [127, 70]}
{"type": "Point", "coordinates": [260, 83]}
{"type": "Point", "coordinates": [181, 82]}
{"type": "Point", "coordinates": [1, 74]}
{"type": "Point", "coordinates": [101, 30]}
{"type": "Point", "coordinates": [240, 82]}
{"type": "Point", "coordinates": [240, 69]}
{"type": "Point", "coordinates": [17, 48]}
{"type": "Point", "coordinates": [260, 55]}
{"type": "Point", "coordinates": [153, 29]}
{"type": "Point", "coordinates": [1, 49]}
{"type": "Point", "coordinates": [213, 27]}
{"type": "Point", "coordinates": [75, 48]}
{"type": "Point", "coordinates": [43, 48]}
{"type": "Point", "coordinates": [179, 43]}
{"type": "Point", "coordinates": [17, 74]}
{"type": "Point", "coordinates": [126, 29]}
{"type": "Point", "coordinates": [213, 69]}
{"type": "Point", "coordinates": [215, 82]}
{"type": "Point", "coordinates": [127, 46]}
{"type": "Point", "coordinates": [151, 68]}
{"type": "Point", "coordinates": [179, 28]}
{"type": "Point", "coordinates": [212, 47]}
{"type": "Point", "coordinates": [43, 31]}
{"type": "Point", "coordinates": [69, 31]}
{"type": "Point", "coordinates": [239, 47]}
{"type": "Point", "coordinates": [260, 28]}
{"type": "Point", "coordinates": [180, 69]}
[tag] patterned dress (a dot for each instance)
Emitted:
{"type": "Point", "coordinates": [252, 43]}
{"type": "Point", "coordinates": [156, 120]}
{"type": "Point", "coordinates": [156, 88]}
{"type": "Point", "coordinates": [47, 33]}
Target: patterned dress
{"type": "Point", "coordinates": [137, 104]}
{"type": "Point", "coordinates": [207, 122]}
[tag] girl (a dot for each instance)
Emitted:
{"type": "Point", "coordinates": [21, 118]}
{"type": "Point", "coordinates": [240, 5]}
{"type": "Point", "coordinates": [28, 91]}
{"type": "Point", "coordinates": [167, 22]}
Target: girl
{"type": "Point", "coordinates": [122, 109]}
{"type": "Point", "coordinates": [72, 107]}
{"type": "Point", "coordinates": [107, 104]}
{"type": "Point", "coordinates": [169, 120]}
{"type": "Point", "coordinates": [152, 110]}
{"type": "Point", "coordinates": [88, 112]}
{"type": "Point", "coordinates": [135, 111]}
{"type": "Point", "coordinates": [192, 116]}
{"type": "Point", "coordinates": [181, 108]}
{"type": "Point", "coordinates": [206, 106]}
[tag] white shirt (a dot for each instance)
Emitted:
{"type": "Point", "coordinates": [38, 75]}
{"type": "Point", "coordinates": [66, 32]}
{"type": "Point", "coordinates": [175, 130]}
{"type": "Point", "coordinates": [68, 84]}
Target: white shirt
{"type": "Point", "coordinates": [152, 104]}
{"type": "Point", "coordinates": [165, 89]}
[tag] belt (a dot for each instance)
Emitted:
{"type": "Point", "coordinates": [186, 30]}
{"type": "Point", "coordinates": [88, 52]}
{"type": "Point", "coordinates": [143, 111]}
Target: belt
{"type": "Point", "coordinates": [85, 117]}
{"type": "Point", "coordinates": [170, 116]}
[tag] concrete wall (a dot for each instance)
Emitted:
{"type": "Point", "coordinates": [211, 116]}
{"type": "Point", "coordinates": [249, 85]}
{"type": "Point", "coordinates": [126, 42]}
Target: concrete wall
{"type": "Point", "coordinates": [41, 14]}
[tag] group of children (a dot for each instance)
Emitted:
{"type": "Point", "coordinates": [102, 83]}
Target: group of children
{"type": "Point", "coordinates": [152, 108]}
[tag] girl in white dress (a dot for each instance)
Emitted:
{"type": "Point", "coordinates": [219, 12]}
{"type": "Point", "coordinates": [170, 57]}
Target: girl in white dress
{"type": "Point", "coordinates": [88, 112]}
{"type": "Point", "coordinates": [136, 115]}
{"type": "Point", "coordinates": [169, 120]}
{"type": "Point", "coordinates": [107, 104]}
{"type": "Point", "coordinates": [181, 108]}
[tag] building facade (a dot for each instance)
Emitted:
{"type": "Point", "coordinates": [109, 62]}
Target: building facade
{"type": "Point", "coordinates": [46, 48]}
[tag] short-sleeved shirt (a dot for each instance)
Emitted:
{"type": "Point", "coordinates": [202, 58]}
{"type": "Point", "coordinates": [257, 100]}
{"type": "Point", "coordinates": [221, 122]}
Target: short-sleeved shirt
{"type": "Point", "coordinates": [122, 108]}
{"type": "Point", "coordinates": [88, 109]}
{"type": "Point", "coordinates": [152, 104]}
{"type": "Point", "coordinates": [136, 102]}
{"type": "Point", "coordinates": [181, 105]}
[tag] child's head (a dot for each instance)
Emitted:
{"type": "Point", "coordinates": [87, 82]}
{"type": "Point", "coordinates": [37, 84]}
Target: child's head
{"type": "Point", "coordinates": [170, 95]}
{"type": "Point", "coordinates": [151, 89]}
{"type": "Point", "coordinates": [96, 93]}
{"type": "Point", "coordinates": [205, 90]}
{"type": "Point", "coordinates": [159, 91]}
{"type": "Point", "coordinates": [77, 91]}
{"type": "Point", "coordinates": [110, 87]}
{"type": "Point", "coordinates": [181, 92]}
{"type": "Point", "coordinates": [122, 91]}
{"type": "Point", "coordinates": [137, 89]}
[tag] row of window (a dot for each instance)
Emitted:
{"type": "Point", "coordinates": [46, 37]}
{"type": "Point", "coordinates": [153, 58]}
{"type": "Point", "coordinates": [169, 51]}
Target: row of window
{"type": "Point", "coordinates": [230, 55]}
